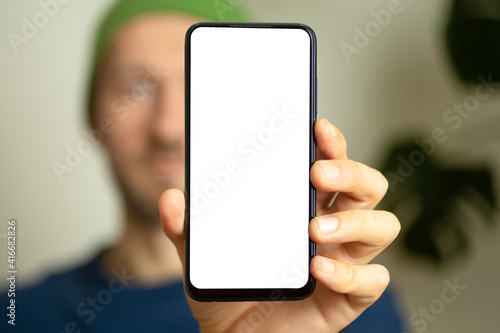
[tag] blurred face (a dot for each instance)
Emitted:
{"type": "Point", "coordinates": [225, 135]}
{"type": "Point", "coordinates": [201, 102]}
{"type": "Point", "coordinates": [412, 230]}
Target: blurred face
{"type": "Point", "coordinates": [140, 108]}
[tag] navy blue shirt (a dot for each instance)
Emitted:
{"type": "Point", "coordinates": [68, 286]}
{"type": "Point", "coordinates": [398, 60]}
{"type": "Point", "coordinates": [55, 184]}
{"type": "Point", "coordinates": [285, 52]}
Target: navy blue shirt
{"type": "Point", "coordinates": [83, 299]}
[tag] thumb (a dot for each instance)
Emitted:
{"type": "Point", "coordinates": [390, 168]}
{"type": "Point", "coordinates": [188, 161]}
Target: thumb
{"type": "Point", "coordinates": [171, 205]}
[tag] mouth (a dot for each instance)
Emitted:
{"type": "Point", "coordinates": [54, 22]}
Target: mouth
{"type": "Point", "coordinates": [166, 165]}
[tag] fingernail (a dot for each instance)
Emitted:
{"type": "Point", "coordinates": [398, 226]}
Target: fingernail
{"type": "Point", "coordinates": [327, 266]}
{"type": "Point", "coordinates": [331, 171]}
{"type": "Point", "coordinates": [328, 224]}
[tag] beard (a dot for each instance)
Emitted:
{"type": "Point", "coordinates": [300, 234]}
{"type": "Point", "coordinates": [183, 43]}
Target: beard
{"type": "Point", "coordinates": [141, 187]}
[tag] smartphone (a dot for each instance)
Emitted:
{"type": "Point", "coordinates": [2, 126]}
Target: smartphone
{"type": "Point", "coordinates": [250, 110]}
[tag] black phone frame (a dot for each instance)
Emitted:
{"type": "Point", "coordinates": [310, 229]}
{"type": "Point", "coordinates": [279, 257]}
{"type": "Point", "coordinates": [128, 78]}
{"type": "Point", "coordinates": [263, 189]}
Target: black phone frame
{"type": "Point", "coordinates": [266, 294]}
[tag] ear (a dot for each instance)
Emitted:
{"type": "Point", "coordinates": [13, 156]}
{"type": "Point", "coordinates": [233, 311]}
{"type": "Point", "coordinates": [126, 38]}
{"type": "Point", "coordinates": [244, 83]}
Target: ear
{"type": "Point", "coordinates": [99, 126]}
{"type": "Point", "coordinates": [95, 125]}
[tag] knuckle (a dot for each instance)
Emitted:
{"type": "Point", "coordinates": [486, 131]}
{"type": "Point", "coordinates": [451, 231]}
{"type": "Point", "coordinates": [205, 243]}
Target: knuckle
{"type": "Point", "coordinates": [367, 176]}
{"type": "Point", "coordinates": [383, 277]}
{"type": "Point", "coordinates": [342, 144]}
{"type": "Point", "coordinates": [394, 224]}
{"type": "Point", "coordinates": [354, 172]}
{"type": "Point", "coordinates": [357, 172]}
{"type": "Point", "coordinates": [383, 184]}
{"type": "Point", "coordinates": [354, 219]}
{"type": "Point", "coordinates": [350, 277]}
{"type": "Point", "coordinates": [378, 229]}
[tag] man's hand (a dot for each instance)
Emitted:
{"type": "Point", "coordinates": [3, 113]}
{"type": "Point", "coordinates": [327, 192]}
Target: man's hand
{"type": "Point", "coordinates": [348, 234]}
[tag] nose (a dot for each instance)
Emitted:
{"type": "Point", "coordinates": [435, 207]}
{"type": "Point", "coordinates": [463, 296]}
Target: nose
{"type": "Point", "coordinates": [167, 123]}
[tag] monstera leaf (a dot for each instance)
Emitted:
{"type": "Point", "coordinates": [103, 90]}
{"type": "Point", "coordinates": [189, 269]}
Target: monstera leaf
{"type": "Point", "coordinates": [432, 201]}
{"type": "Point", "coordinates": [438, 204]}
{"type": "Point", "coordinates": [472, 38]}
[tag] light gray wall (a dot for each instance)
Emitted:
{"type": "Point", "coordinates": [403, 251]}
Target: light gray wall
{"type": "Point", "coordinates": [400, 84]}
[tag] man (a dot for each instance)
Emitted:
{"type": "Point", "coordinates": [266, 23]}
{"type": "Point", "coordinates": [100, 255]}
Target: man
{"type": "Point", "coordinates": [136, 108]}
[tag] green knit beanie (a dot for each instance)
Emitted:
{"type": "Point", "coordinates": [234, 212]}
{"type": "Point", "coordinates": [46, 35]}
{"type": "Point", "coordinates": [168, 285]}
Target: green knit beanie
{"type": "Point", "coordinates": [124, 11]}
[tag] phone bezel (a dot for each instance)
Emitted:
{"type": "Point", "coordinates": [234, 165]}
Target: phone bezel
{"type": "Point", "coordinates": [267, 294]}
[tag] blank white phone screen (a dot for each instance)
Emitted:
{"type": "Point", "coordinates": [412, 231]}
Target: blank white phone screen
{"type": "Point", "coordinates": [249, 151]}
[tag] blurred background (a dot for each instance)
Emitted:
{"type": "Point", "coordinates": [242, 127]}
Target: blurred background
{"type": "Point", "coordinates": [385, 81]}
